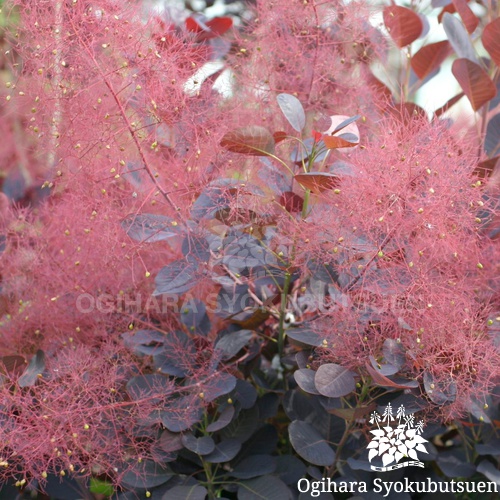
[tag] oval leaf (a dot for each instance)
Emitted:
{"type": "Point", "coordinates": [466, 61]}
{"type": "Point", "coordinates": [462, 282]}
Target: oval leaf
{"type": "Point", "coordinates": [244, 251]}
{"type": "Point", "coordinates": [337, 142]}
{"type": "Point", "coordinates": [147, 386]}
{"type": "Point", "coordinates": [169, 361]}
{"type": "Point", "coordinates": [293, 111]}
{"type": "Point", "coordinates": [342, 142]}
{"type": "Point", "coordinates": [430, 57]}
{"type": "Point", "coordinates": [475, 82]}
{"type": "Point", "coordinates": [492, 141]}
{"type": "Point", "coordinates": [180, 492]}
{"type": "Point", "coordinates": [394, 353]}
{"type": "Point", "coordinates": [33, 370]}
{"type": "Point", "coordinates": [170, 441]}
{"type": "Point", "coordinates": [206, 30]}
{"type": "Point", "coordinates": [218, 385]}
{"type": "Point", "coordinates": [231, 343]}
{"type": "Point", "coordinates": [385, 369]}
{"type": "Point", "coordinates": [182, 413]}
{"type": "Point", "coordinates": [318, 182]}
{"type": "Point", "coordinates": [404, 25]}
{"type": "Point", "coordinates": [305, 336]}
{"type": "Point", "coordinates": [150, 227]}
{"type": "Point", "coordinates": [383, 381]}
{"type": "Point", "coordinates": [334, 381]}
{"type": "Point", "coordinates": [251, 140]}
{"type": "Point", "coordinates": [195, 318]}
{"type": "Point", "coordinates": [224, 451]}
{"type": "Point", "coordinates": [201, 446]}
{"type": "Point", "coordinates": [458, 37]}
{"type": "Point", "coordinates": [12, 365]}
{"type": "Point", "coordinates": [342, 125]}
{"type": "Point", "coordinates": [464, 11]}
{"type": "Point", "coordinates": [440, 391]}
{"type": "Point", "coordinates": [491, 40]}
{"type": "Point", "coordinates": [144, 341]}
{"type": "Point", "coordinates": [447, 105]}
{"type": "Point", "coordinates": [146, 474]}
{"type": "Point", "coordinates": [291, 202]}
{"type": "Point", "coordinates": [177, 277]}
{"type": "Point", "coordinates": [224, 419]}
{"type": "Point", "coordinates": [253, 466]}
{"type": "Point", "coordinates": [196, 249]}
{"type": "Point", "coordinates": [309, 444]}
{"type": "Point", "coordinates": [305, 380]}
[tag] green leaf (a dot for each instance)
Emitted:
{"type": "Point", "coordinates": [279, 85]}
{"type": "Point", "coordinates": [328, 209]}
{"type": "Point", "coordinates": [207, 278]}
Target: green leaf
{"type": "Point", "coordinates": [99, 487]}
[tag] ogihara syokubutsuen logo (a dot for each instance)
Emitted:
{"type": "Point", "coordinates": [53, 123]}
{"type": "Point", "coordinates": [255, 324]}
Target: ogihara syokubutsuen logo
{"type": "Point", "coordinates": [396, 440]}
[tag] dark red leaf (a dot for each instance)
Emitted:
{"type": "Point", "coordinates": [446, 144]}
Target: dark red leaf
{"type": "Point", "coordinates": [383, 381]}
{"type": "Point", "coordinates": [430, 57]}
{"type": "Point", "coordinates": [383, 91]}
{"type": "Point", "coordinates": [485, 168]}
{"type": "Point", "coordinates": [193, 26]}
{"type": "Point", "coordinates": [475, 82]}
{"type": "Point", "coordinates": [252, 140]}
{"type": "Point", "coordinates": [468, 17]}
{"type": "Point", "coordinates": [279, 136]}
{"type": "Point", "coordinates": [318, 182]}
{"type": "Point", "coordinates": [491, 40]}
{"type": "Point", "coordinates": [291, 201]}
{"type": "Point", "coordinates": [407, 112]}
{"type": "Point", "coordinates": [219, 25]}
{"type": "Point", "coordinates": [209, 29]}
{"type": "Point", "coordinates": [404, 25]}
{"type": "Point", "coordinates": [12, 365]}
{"type": "Point", "coordinates": [335, 142]}
{"type": "Point", "coordinates": [450, 9]}
{"type": "Point", "coordinates": [448, 105]}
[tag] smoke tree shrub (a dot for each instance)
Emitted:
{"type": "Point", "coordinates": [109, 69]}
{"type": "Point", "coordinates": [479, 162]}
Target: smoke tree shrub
{"type": "Point", "coordinates": [210, 265]}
